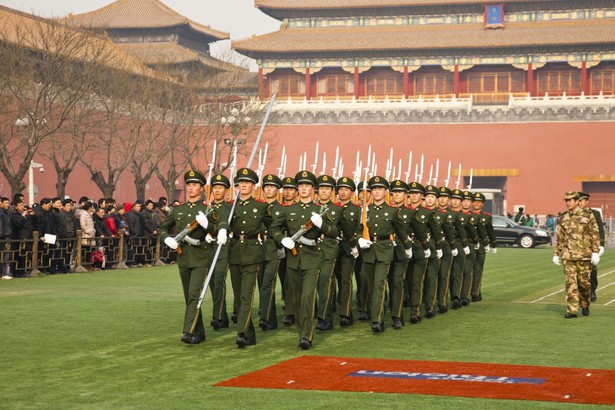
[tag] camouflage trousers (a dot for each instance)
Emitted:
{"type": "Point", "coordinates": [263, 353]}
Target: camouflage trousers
{"type": "Point", "coordinates": [578, 284]}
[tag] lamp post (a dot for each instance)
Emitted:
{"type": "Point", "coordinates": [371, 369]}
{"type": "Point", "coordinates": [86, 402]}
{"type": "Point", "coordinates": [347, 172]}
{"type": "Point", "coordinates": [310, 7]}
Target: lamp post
{"type": "Point", "coordinates": [33, 165]}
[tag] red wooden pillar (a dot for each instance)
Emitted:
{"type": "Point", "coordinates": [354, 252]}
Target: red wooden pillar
{"type": "Point", "coordinates": [456, 81]}
{"type": "Point", "coordinates": [357, 86]}
{"type": "Point", "coordinates": [406, 82]}
{"type": "Point", "coordinates": [308, 84]}
{"type": "Point", "coordinates": [261, 84]}
{"type": "Point", "coordinates": [584, 82]}
{"type": "Point", "coordinates": [530, 81]}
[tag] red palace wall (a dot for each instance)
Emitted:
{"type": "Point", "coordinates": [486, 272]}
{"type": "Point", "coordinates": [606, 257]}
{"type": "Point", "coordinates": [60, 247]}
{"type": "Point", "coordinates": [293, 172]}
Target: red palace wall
{"type": "Point", "coordinates": [548, 155]}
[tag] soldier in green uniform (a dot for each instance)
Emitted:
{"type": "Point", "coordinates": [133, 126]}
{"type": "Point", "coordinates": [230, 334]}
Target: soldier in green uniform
{"type": "Point", "coordinates": [272, 254]}
{"type": "Point", "coordinates": [246, 253]}
{"type": "Point", "coordinates": [468, 267]}
{"type": "Point", "coordinates": [305, 254]}
{"type": "Point", "coordinates": [449, 246]}
{"type": "Point", "coordinates": [219, 187]}
{"type": "Point", "coordinates": [325, 185]}
{"type": "Point", "coordinates": [289, 197]}
{"type": "Point", "coordinates": [382, 221]}
{"type": "Point", "coordinates": [348, 251]}
{"type": "Point", "coordinates": [578, 246]}
{"type": "Point", "coordinates": [363, 302]}
{"type": "Point", "coordinates": [417, 268]}
{"type": "Point", "coordinates": [430, 287]}
{"type": "Point", "coordinates": [460, 221]}
{"type": "Point", "coordinates": [487, 236]}
{"type": "Point", "coordinates": [194, 253]}
{"type": "Point", "coordinates": [584, 203]}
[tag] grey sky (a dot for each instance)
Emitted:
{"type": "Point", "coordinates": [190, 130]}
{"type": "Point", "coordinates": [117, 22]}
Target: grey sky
{"type": "Point", "coordinates": [238, 17]}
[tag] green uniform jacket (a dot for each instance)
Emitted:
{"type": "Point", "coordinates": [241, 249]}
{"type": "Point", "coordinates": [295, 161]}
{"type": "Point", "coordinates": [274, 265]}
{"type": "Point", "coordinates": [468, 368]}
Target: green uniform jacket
{"type": "Point", "coordinates": [191, 256]}
{"type": "Point", "coordinates": [382, 221]}
{"type": "Point", "coordinates": [426, 217]}
{"type": "Point", "coordinates": [270, 248]}
{"type": "Point", "coordinates": [290, 220]}
{"type": "Point", "coordinates": [445, 220]}
{"type": "Point", "coordinates": [598, 219]}
{"type": "Point", "coordinates": [223, 209]}
{"type": "Point", "coordinates": [416, 231]}
{"type": "Point", "coordinates": [460, 231]}
{"type": "Point", "coordinates": [245, 247]}
{"type": "Point", "coordinates": [468, 220]}
{"type": "Point", "coordinates": [485, 229]}
{"type": "Point", "coordinates": [351, 215]}
{"type": "Point", "coordinates": [330, 246]}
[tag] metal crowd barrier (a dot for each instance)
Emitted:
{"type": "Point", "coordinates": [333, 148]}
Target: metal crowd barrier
{"type": "Point", "coordinates": [31, 257]}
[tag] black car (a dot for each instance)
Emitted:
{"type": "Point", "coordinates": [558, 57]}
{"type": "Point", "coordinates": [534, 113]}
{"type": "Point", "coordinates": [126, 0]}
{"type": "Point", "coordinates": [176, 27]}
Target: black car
{"type": "Point", "coordinates": [508, 232]}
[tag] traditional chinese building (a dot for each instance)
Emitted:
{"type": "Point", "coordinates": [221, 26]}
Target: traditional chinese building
{"type": "Point", "coordinates": [518, 91]}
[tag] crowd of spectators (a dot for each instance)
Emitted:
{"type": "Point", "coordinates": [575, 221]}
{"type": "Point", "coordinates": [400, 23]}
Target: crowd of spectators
{"type": "Point", "coordinates": [57, 221]}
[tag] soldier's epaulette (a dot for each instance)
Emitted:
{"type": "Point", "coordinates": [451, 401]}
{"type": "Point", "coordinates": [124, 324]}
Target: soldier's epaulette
{"type": "Point", "coordinates": [337, 203]}
{"type": "Point", "coordinates": [280, 203]}
{"type": "Point", "coordinates": [444, 211]}
{"type": "Point", "coordinates": [410, 207]}
{"type": "Point", "coordinates": [230, 201]}
{"type": "Point", "coordinates": [260, 200]}
{"type": "Point", "coordinates": [317, 204]}
{"type": "Point", "coordinates": [357, 205]}
{"type": "Point", "coordinates": [486, 213]}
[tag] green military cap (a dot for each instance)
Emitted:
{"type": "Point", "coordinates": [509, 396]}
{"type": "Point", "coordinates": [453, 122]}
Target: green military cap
{"type": "Point", "coordinates": [583, 195]}
{"type": "Point", "coordinates": [571, 195]}
{"type": "Point", "coordinates": [362, 186]}
{"type": "Point", "coordinates": [416, 187]}
{"type": "Point", "coordinates": [477, 196]}
{"type": "Point", "coordinates": [444, 191]}
{"type": "Point", "coordinates": [195, 176]}
{"type": "Point", "coordinates": [305, 177]}
{"type": "Point", "coordinates": [246, 174]}
{"type": "Point", "coordinates": [235, 181]}
{"type": "Point", "coordinates": [271, 179]}
{"type": "Point", "coordinates": [346, 182]}
{"type": "Point", "coordinates": [378, 182]}
{"type": "Point", "coordinates": [467, 195]}
{"type": "Point", "coordinates": [325, 180]}
{"type": "Point", "coordinates": [289, 182]}
{"type": "Point", "coordinates": [398, 185]}
{"type": "Point", "coordinates": [430, 189]}
{"type": "Point", "coordinates": [457, 194]}
{"type": "Point", "coordinates": [220, 179]}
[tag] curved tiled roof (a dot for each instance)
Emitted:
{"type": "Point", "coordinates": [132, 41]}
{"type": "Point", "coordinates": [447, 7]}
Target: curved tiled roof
{"type": "Point", "coordinates": [140, 14]}
{"type": "Point", "coordinates": [446, 36]}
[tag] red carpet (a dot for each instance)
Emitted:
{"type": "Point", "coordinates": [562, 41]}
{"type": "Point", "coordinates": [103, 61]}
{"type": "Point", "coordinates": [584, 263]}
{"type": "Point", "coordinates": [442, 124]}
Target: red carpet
{"type": "Point", "coordinates": [479, 380]}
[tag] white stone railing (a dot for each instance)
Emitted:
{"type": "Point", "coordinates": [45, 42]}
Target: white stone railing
{"type": "Point", "coordinates": [566, 101]}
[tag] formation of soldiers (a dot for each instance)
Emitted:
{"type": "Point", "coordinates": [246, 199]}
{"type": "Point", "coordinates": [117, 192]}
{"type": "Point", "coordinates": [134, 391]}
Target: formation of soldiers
{"type": "Point", "coordinates": [413, 251]}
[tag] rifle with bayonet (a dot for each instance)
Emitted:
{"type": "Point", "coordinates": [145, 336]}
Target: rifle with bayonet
{"type": "Point", "coordinates": [304, 228]}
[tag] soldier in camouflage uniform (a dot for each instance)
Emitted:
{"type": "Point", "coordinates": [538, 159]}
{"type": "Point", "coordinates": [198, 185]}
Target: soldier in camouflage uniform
{"type": "Point", "coordinates": [578, 245]}
{"type": "Point", "coordinates": [584, 203]}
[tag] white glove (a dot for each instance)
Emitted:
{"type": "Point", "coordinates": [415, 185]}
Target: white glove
{"type": "Point", "coordinates": [364, 243]}
{"type": "Point", "coordinates": [466, 250]}
{"type": "Point", "coordinates": [201, 218]}
{"type": "Point", "coordinates": [316, 219]}
{"type": "Point", "coordinates": [209, 238]}
{"type": "Point", "coordinates": [222, 237]}
{"type": "Point", "coordinates": [595, 259]}
{"type": "Point", "coordinates": [601, 251]}
{"type": "Point", "coordinates": [556, 260]}
{"type": "Point", "coordinates": [438, 253]}
{"type": "Point", "coordinates": [281, 253]}
{"type": "Point", "coordinates": [427, 253]}
{"type": "Point", "coordinates": [477, 246]}
{"type": "Point", "coordinates": [409, 253]}
{"type": "Point", "coordinates": [494, 250]}
{"type": "Point", "coordinates": [170, 242]}
{"type": "Point", "coordinates": [487, 248]}
{"type": "Point", "coordinates": [354, 252]}
{"type": "Point", "coordinates": [288, 243]}
{"type": "Point", "coordinates": [454, 251]}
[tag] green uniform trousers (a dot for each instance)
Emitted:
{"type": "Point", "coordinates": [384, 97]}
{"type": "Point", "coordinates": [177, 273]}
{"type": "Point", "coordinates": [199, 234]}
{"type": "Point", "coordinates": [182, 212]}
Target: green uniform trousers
{"type": "Point", "coordinates": [302, 283]}
{"type": "Point", "coordinates": [415, 273]}
{"type": "Point", "coordinates": [375, 277]}
{"type": "Point", "coordinates": [217, 287]}
{"type": "Point", "coordinates": [466, 284]}
{"type": "Point", "coordinates": [267, 280]}
{"type": "Point", "coordinates": [397, 276]}
{"type": "Point", "coordinates": [344, 267]}
{"type": "Point", "coordinates": [245, 276]}
{"type": "Point", "coordinates": [192, 283]}
{"type": "Point", "coordinates": [477, 272]}
{"type": "Point", "coordinates": [457, 275]}
{"type": "Point", "coordinates": [444, 274]}
{"type": "Point", "coordinates": [326, 291]}
{"type": "Point", "coordinates": [430, 288]}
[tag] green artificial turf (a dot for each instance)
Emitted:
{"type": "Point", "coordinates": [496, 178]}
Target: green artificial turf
{"type": "Point", "coordinates": [110, 339]}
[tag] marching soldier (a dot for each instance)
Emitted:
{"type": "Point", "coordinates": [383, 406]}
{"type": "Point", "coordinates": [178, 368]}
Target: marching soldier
{"type": "Point", "coordinates": [246, 253]}
{"type": "Point", "coordinates": [471, 228]}
{"type": "Point", "coordinates": [194, 253]}
{"type": "Point", "coordinates": [325, 186]}
{"type": "Point", "coordinates": [584, 203]}
{"type": "Point", "coordinates": [289, 197]}
{"type": "Point", "coordinates": [272, 255]}
{"type": "Point", "coordinates": [430, 288]}
{"type": "Point", "coordinates": [463, 249]}
{"type": "Point", "coordinates": [303, 222]}
{"type": "Point", "coordinates": [219, 188]}
{"type": "Point", "coordinates": [449, 246]}
{"type": "Point", "coordinates": [348, 251]}
{"type": "Point", "coordinates": [382, 221]}
{"type": "Point", "coordinates": [487, 236]}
